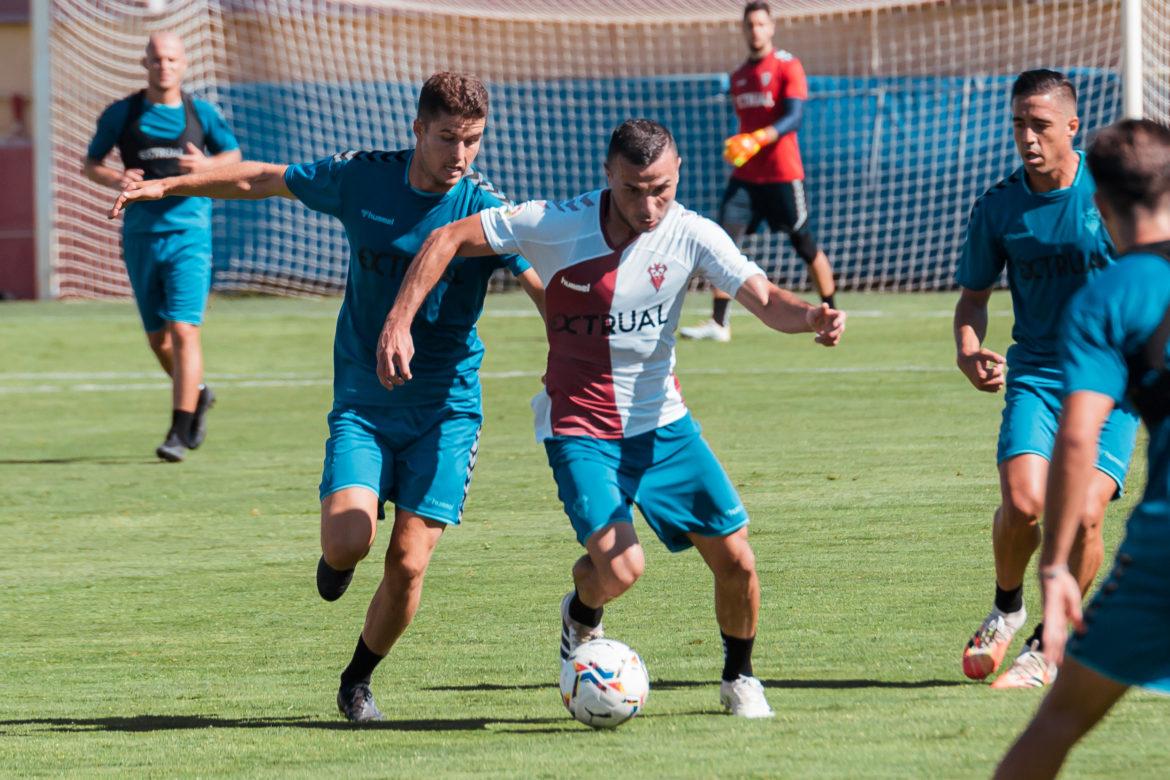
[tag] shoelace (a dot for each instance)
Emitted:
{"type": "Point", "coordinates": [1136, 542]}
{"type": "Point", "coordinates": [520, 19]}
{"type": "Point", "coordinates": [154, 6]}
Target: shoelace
{"type": "Point", "coordinates": [1033, 664]}
{"type": "Point", "coordinates": [988, 631]}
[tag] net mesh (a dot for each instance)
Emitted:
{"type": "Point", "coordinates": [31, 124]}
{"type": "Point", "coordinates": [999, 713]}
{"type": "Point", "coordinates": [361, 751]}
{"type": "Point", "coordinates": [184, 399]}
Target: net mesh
{"type": "Point", "coordinates": [1156, 60]}
{"type": "Point", "coordinates": [906, 124]}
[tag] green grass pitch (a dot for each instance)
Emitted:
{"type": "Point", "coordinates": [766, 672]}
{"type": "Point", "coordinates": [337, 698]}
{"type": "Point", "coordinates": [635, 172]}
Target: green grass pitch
{"type": "Point", "coordinates": [163, 620]}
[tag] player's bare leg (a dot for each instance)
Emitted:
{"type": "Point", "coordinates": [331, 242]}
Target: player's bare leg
{"type": "Point", "coordinates": [1079, 699]}
{"type": "Point", "coordinates": [349, 524]}
{"type": "Point", "coordinates": [412, 542]}
{"type": "Point", "coordinates": [1031, 668]}
{"type": "Point", "coordinates": [395, 602]}
{"type": "Point", "coordinates": [821, 273]}
{"type": "Point", "coordinates": [737, 610]}
{"type": "Point", "coordinates": [186, 363]}
{"type": "Point", "coordinates": [1016, 532]}
{"type": "Point", "coordinates": [718, 328]}
{"type": "Point", "coordinates": [1015, 536]}
{"type": "Point", "coordinates": [163, 349]}
{"type": "Point", "coordinates": [612, 563]}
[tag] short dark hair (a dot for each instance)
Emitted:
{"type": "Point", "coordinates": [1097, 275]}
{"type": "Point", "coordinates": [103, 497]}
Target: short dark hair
{"type": "Point", "coordinates": [751, 7]}
{"type": "Point", "coordinates": [640, 141]}
{"type": "Point", "coordinates": [456, 94]}
{"type": "Point", "coordinates": [1130, 163]}
{"type": "Point", "coordinates": [1042, 81]}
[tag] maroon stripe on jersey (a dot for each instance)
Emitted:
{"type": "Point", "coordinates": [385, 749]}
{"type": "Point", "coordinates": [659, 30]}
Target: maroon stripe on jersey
{"type": "Point", "coordinates": [579, 381]}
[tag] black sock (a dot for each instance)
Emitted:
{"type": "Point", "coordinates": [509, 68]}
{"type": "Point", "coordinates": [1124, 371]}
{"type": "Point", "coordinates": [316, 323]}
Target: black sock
{"type": "Point", "coordinates": [584, 614]}
{"type": "Point", "coordinates": [1037, 637]}
{"type": "Point", "coordinates": [737, 656]}
{"type": "Point", "coordinates": [362, 665]}
{"type": "Point", "coordinates": [1009, 600]}
{"type": "Point", "coordinates": [829, 300]}
{"type": "Point", "coordinates": [181, 423]}
{"type": "Point", "coordinates": [719, 308]}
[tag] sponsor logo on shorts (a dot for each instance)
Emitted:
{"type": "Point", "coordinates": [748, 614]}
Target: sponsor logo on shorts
{"type": "Point", "coordinates": [436, 502]}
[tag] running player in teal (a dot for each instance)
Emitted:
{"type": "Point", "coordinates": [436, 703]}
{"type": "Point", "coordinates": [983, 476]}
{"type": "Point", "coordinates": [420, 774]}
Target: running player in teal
{"type": "Point", "coordinates": [1041, 224]}
{"type": "Point", "coordinates": [415, 446]}
{"type": "Point", "coordinates": [1114, 350]}
{"type": "Point", "coordinates": [162, 131]}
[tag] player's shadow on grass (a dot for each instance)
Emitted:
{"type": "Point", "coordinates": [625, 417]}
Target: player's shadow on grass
{"type": "Point", "coordinates": [672, 685]}
{"type": "Point", "coordinates": [150, 723]}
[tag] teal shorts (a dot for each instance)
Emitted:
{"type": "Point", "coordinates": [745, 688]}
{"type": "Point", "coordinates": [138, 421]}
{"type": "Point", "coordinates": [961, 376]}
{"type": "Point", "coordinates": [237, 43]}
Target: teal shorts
{"type": "Point", "coordinates": [420, 458]}
{"type": "Point", "coordinates": [1127, 622]}
{"type": "Point", "coordinates": [670, 473]}
{"type": "Point", "coordinates": [1031, 415]}
{"type": "Point", "coordinates": [170, 274]}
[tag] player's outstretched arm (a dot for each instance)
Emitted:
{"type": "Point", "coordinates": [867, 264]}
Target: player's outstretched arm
{"type": "Point", "coordinates": [395, 346]}
{"type": "Point", "coordinates": [981, 366]}
{"type": "Point", "coordinates": [1074, 457]}
{"type": "Point", "coordinates": [783, 311]}
{"type": "Point", "coordinates": [239, 181]}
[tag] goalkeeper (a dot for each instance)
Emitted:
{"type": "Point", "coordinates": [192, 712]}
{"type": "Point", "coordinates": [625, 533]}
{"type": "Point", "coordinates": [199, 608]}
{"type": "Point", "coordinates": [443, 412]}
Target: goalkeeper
{"type": "Point", "coordinates": [767, 185]}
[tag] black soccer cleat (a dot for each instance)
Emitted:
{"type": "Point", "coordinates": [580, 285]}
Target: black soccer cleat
{"type": "Point", "coordinates": [173, 450]}
{"type": "Point", "coordinates": [199, 421]}
{"type": "Point", "coordinates": [356, 703]}
{"type": "Point", "coordinates": [331, 583]}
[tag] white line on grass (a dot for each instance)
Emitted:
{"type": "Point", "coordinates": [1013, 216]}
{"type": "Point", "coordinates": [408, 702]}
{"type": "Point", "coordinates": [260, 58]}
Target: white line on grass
{"type": "Point", "coordinates": [295, 380]}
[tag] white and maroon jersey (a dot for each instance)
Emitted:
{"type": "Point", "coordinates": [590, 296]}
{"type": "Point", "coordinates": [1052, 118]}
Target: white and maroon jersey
{"type": "Point", "coordinates": [611, 311]}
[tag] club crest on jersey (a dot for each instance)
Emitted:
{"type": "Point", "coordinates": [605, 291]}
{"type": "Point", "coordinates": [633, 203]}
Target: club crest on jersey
{"type": "Point", "coordinates": [766, 78]}
{"type": "Point", "coordinates": [1092, 220]}
{"type": "Point", "coordinates": [657, 275]}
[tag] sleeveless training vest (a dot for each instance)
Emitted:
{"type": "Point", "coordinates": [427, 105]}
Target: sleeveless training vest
{"type": "Point", "coordinates": [157, 157]}
{"type": "Point", "coordinates": [1149, 377]}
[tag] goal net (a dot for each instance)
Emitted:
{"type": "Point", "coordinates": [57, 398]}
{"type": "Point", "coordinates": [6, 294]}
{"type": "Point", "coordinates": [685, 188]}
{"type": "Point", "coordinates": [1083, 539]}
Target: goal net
{"type": "Point", "coordinates": [906, 124]}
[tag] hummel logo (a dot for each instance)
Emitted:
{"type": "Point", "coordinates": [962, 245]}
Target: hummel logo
{"type": "Point", "coordinates": [741, 82]}
{"type": "Point", "coordinates": [581, 288]}
{"type": "Point", "coordinates": [377, 217]}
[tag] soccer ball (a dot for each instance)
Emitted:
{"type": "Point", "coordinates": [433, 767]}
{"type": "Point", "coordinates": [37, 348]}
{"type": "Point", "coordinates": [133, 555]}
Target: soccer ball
{"type": "Point", "coordinates": [604, 683]}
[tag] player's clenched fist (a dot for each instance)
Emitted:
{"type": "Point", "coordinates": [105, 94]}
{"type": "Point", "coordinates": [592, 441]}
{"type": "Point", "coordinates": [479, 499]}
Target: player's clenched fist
{"type": "Point", "coordinates": [395, 350]}
{"type": "Point", "coordinates": [827, 323]}
{"type": "Point", "coordinates": [740, 148]}
{"type": "Point", "coordinates": [984, 369]}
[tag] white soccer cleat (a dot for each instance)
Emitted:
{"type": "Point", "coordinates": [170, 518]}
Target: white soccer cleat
{"type": "Point", "coordinates": [708, 331]}
{"type": "Point", "coordinates": [574, 634]}
{"type": "Point", "coordinates": [987, 647]}
{"type": "Point", "coordinates": [1030, 670]}
{"type": "Point", "coordinates": [744, 697]}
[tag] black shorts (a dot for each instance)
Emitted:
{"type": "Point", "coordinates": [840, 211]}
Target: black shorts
{"type": "Point", "coordinates": [781, 205]}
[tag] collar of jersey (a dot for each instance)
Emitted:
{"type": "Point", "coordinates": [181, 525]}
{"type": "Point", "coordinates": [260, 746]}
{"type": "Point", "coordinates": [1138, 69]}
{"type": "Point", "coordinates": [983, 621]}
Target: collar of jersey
{"type": "Point", "coordinates": [424, 193]}
{"type": "Point", "coordinates": [1063, 190]}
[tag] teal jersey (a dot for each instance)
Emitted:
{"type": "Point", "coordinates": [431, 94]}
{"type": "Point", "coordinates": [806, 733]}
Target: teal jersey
{"type": "Point", "coordinates": [1052, 243]}
{"type": "Point", "coordinates": [1106, 326]}
{"type": "Point", "coordinates": [386, 221]}
{"type": "Point", "coordinates": [163, 121]}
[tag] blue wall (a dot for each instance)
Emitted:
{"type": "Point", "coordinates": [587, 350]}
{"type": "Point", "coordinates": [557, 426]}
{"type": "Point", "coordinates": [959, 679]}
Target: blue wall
{"type": "Point", "coordinates": [892, 164]}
